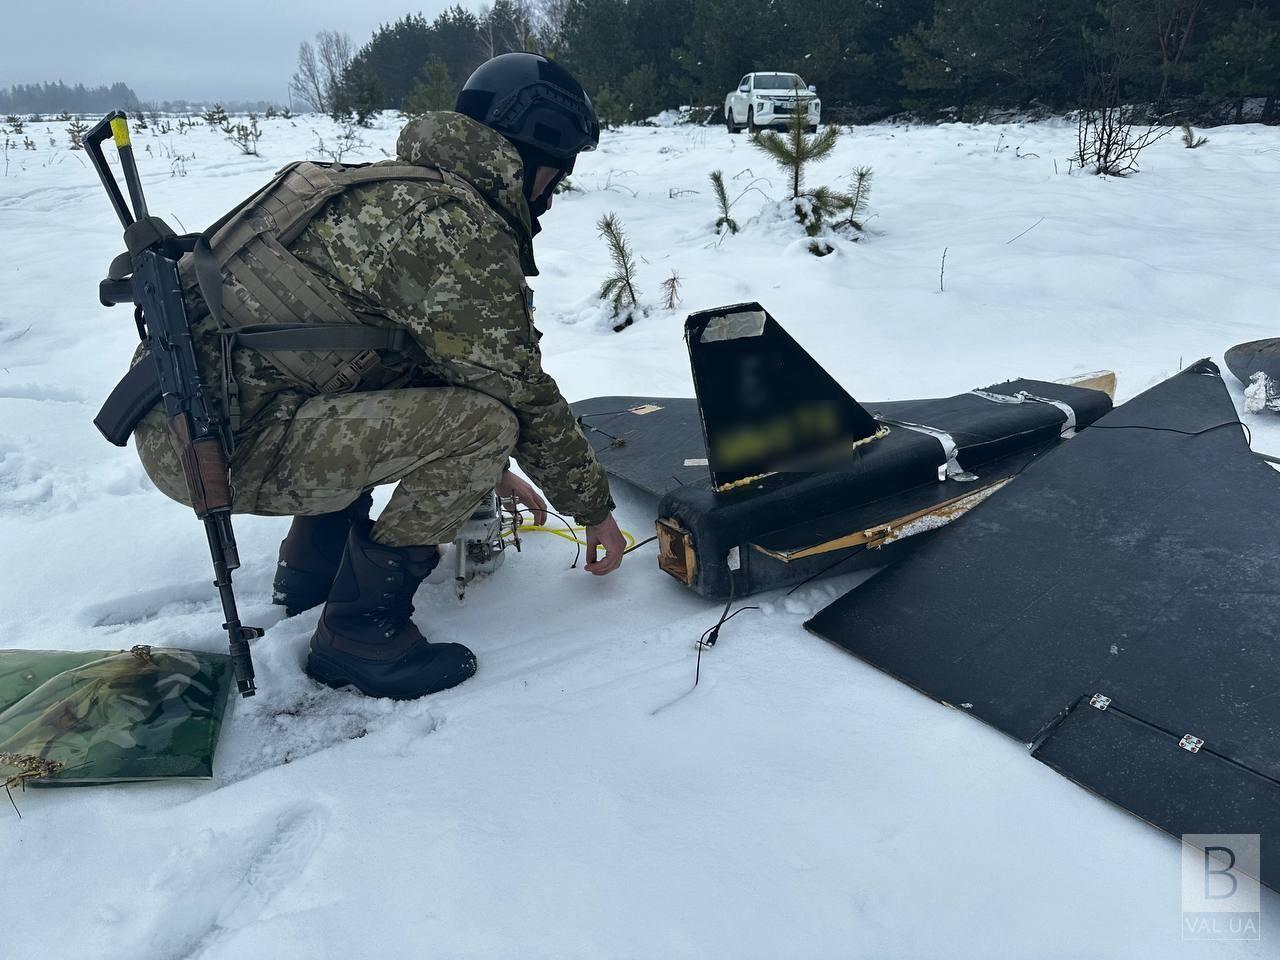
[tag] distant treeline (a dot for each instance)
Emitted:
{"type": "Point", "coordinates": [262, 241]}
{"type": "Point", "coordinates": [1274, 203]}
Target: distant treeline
{"type": "Point", "coordinates": [870, 57]}
{"type": "Point", "coordinates": [27, 98]}
{"type": "Point", "coordinates": [200, 106]}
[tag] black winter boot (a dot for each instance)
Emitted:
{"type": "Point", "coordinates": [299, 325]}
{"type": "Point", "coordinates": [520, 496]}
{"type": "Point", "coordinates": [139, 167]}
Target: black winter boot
{"type": "Point", "coordinates": [366, 637]}
{"type": "Point", "coordinates": [310, 554]}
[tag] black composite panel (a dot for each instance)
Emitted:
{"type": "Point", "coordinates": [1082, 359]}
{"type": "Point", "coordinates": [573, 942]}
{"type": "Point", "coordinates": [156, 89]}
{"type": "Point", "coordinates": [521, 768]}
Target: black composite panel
{"type": "Point", "coordinates": [1139, 561]}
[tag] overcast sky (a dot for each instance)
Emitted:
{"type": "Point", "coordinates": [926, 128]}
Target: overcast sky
{"type": "Point", "coordinates": [181, 49]}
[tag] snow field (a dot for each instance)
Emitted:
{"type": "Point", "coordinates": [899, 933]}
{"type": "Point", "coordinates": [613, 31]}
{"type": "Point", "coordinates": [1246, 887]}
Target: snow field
{"type": "Point", "coordinates": [575, 799]}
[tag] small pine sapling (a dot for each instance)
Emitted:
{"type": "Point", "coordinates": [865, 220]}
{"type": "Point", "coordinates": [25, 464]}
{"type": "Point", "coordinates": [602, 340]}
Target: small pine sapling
{"type": "Point", "coordinates": [75, 132]}
{"type": "Point", "coordinates": [725, 221]}
{"type": "Point", "coordinates": [796, 150]}
{"type": "Point", "coordinates": [857, 200]}
{"type": "Point", "coordinates": [14, 122]}
{"type": "Point", "coordinates": [246, 136]}
{"type": "Point", "coordinates": [215, 116]}
{"type": "Point", "coordinates": [1189, 138]}
{"type": "Point", "coordinates": [671, 291]}
{"type": "Point", "coordinates": [619, 288]}
{"type": "Point", "coordinates": [816, 207]}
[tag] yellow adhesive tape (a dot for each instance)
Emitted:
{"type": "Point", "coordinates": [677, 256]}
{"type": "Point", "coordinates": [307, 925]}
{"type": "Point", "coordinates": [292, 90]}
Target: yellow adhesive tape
{"type": "Point", "coordinates": [120, 132]}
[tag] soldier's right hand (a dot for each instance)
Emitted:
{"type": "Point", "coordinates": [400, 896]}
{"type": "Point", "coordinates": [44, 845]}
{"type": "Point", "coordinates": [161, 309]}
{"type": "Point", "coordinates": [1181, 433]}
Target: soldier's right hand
{"type": "Point", "coordinates": [607, 535]}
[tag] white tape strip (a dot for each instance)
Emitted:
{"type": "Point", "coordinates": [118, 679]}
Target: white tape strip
{"type": "Point", "coordinates": [1068, 425]}
{"type": "Point", "coordinates": [951, 468]}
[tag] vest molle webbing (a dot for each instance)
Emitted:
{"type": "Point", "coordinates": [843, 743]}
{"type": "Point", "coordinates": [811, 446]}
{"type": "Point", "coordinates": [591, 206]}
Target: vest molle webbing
{"type": "Point", "coordinates": [277, 306]}
{"type": "Point", "coordinates": [263, 297]}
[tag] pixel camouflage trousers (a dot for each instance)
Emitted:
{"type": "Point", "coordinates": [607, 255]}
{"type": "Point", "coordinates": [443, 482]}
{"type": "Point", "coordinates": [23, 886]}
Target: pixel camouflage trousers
{"type": "Point", "coordinates": [447, 447]}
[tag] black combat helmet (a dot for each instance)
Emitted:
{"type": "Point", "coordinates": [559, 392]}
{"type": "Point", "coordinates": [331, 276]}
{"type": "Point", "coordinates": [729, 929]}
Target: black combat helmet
{"type": "Point", "coordinates": [537, 105]}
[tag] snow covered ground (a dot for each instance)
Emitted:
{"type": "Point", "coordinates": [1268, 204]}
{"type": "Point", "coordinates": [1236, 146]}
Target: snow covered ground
{"type": "Point", "coordinates": [569, 801]}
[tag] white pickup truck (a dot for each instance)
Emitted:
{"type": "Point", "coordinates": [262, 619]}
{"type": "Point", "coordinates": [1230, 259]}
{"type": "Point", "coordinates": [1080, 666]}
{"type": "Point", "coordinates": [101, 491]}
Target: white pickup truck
{"type": "Point", "coordinates": [769, 100]}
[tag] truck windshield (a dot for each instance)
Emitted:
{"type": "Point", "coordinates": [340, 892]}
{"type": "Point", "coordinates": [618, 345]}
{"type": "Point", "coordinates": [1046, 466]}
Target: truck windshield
{"type": "Point", "coordinates": [778, 81]}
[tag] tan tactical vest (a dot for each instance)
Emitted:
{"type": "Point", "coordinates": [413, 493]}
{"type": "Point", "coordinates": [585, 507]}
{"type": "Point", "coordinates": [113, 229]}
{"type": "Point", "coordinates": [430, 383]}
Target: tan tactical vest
{"type": "Point", "coordinates": [262, 297]}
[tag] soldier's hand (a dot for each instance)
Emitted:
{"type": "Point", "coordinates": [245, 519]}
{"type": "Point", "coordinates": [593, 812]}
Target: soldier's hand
{"type": "Point", "coordinates": [605, 534]}
{"type": "Point", "coordinates": [512, 486]}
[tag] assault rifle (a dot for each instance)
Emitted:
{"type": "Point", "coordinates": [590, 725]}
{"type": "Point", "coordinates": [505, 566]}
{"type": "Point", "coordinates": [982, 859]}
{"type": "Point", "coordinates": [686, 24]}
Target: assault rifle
{"type": "Point", "coordinates": [149, 280]}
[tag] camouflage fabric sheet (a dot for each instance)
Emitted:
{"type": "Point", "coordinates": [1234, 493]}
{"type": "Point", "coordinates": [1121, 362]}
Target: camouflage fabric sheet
{"type": "Point", "coordinates": [75, 719]}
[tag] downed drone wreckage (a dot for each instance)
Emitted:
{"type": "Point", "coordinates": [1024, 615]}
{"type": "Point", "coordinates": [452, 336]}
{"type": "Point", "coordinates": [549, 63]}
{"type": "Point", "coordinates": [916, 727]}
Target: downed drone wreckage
{"type": "Point", "coordinates": [774, 473]}
{"type": "Point", "coordinates": [1069, 592]}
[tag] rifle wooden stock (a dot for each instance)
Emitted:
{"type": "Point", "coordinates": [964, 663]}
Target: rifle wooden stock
{"type": "Point", "coordinates": [204, 464]}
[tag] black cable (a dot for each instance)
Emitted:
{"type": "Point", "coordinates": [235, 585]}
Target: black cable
{"type": "Point", "coordinates": [1186, 433]}
{"type": "Point", "coordinates": [827, 569]}
{"type": "Point", "coordinates": [712, 634]}
{"type": "Point", "coordinates": [613, 441]}
{"type": "Point", "coordinates": [519, 515]}
{"type": "Point", "coordinates": [637, 546]}
{"type": "Point", "coordinates": [605, 413]}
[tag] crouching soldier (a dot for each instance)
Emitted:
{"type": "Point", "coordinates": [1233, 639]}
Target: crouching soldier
{"type": "Point", "coordinates": [371, 325]}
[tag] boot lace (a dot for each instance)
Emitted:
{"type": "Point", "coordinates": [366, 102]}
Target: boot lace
{"type": "Point", "coordinates": [394, 609]}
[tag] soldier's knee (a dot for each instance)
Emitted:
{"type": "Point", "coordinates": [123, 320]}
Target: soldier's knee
{"type": "Point", "coordinates": [506, 428]}
{"type": "Point", "coordinates": [160, 459]}
{"type": "Point", "coordinates": [490, 420]}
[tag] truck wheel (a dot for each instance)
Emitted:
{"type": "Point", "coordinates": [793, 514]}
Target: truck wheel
{"type": "Point", "coordinates": [751, 120]}
{"type": "Point", "coordinates": [813, 128]}
{"type": "Point", "coordinates": [728, 121]}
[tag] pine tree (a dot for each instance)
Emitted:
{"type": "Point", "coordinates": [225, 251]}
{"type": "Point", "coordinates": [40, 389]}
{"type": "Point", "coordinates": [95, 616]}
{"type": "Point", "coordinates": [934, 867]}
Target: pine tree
{"type": "Point", "coordinates": [855, 202]}
{"type": "Point", "coordinates": [76, 133]}
{"type": "Point", "coordinates": [434, 92]}
{"type": "Point", "coordinates": [1189, 138]}
{"type": "Point", "coordinates": [639, 90]}
{"type": "Point", "coordinates": [818, 206]}
{"type": "Point", "coordinates": [725, 221]}
{"type": "Point", "coordinates": [795, 150]}
{"type": "Point", "coordinates": [671, 291]}
{"type": "Point", "coordinates": [245, 135]}
{"type": "Point", "coordinates": [619, 288]}
{"type": "Point", "coordinates": [362, 92]}
{"type": "Point", "coordinates": [610, 107]}
{"type": "Point", "coordinates": [995, 51]}
{"type": "Point", "coordinates": [1244, 61]}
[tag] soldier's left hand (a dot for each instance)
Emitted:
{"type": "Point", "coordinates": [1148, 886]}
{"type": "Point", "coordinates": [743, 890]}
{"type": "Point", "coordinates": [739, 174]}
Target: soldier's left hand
{"type": "Point", "coordinates": [512, 486]}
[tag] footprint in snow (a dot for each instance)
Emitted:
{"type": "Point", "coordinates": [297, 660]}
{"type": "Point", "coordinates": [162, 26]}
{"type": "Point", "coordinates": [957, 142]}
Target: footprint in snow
{"type": "Point", "coordinates": [268, 733]}
{"type": "Point", "coordinates": [40, 392]}
{"type": "Point", "coordinates": [147, 605]}
{"type": "Point", "coordinates": [284, 851]}
{"type": "Point", "coordinates": [224, 883]}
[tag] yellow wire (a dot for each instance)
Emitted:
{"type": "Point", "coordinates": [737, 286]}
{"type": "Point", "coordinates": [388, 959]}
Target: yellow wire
{"type": "Point", "coordinates": [566, 533]}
